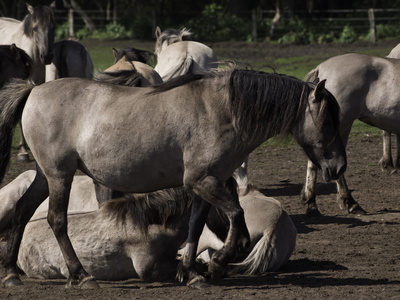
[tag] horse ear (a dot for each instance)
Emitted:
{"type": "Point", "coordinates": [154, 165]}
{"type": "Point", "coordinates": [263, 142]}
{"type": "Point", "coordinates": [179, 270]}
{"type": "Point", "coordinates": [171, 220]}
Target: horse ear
{"type": "Point", "coordinates": [319, 89]}
{"type": "Point", "coordinates": [15, 51]}
{"type": "Point", "coordinates": [30, 8]}
{"type": "Point", "coordinates": [53, 4]}
{"type": "Point", "coordinates": [115, 53]}
{"type": "Point", "coordinates": [158, 32]}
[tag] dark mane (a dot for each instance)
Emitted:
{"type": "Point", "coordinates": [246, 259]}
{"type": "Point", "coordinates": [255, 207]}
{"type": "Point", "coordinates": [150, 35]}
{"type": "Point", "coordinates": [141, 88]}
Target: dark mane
{"type": "Point", "coordinates": [278, 97]}
{"type": "Point", "coordinates": [165, 207]}
{"type": "Point", "coordinates": [178, 81]}
{"type": "Point", "coordinates": [42, 14]}
{"type": "Point", "coordinates": [133, 54]}
{"type": "Point", "coordinates": [122, 77]}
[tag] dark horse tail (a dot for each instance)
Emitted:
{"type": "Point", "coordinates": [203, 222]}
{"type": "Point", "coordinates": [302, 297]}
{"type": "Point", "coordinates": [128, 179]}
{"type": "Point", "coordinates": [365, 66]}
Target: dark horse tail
{"type": "Point", "coordinates": [13, 97]}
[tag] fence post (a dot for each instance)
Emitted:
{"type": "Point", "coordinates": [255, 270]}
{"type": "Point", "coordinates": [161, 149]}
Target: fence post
{"type": "Point", "coordinates": [254, 25]}
{"type": "Point", "coordinates": [71, 22]}
{"type": "Point", "coordinates": [372, 32]}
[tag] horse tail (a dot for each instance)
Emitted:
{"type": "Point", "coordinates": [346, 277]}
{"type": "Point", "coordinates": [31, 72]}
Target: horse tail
{"type": "Point", "coordinates": [313, 75]}
{"type": "Point", "coordinates": [13, 98]}
{"type": "Point", "coordinates": [271, 252]}
{"type": "Point", "coordinates": [183, 66]}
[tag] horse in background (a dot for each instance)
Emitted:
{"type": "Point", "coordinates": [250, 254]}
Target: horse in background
{"type": "Point", "coordinates": [34, 35]}
{"type": "Point", "coordinates": [14, 63]}
{"type": "Point", "coordinates": [387, 162]}
{"type": "Point", "coordinates": [176, 56]}
{"type": "Point", "coordinates": [131, 69]}
{"type": "Point", "coordinates": [272, 233]}
{"type": "Point", "coordinates": [70, 59]}
{"type": "Point", "coordinates": [194, 131]}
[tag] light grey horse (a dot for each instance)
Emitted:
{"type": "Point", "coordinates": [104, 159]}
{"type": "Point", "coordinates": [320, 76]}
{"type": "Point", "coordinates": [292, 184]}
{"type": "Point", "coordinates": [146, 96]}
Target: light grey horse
{"type": "Point", "coordinates": [366, 89]}
{"type": "Point", "coordinates": [387, 161]}
{"type": "Point", "coordinates": [70, 59]}
{"type": "Point", "coordinates": [272, 233]}
{"type": "Point", "coordinates": [194, 131]}
{"type": "Point", "coordinates": [176, 56]}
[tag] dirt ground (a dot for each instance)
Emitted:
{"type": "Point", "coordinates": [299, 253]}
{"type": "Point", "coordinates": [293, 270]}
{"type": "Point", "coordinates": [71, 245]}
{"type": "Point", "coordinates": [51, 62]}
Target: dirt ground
{"type": "Point", "coordinates": [339, 256]}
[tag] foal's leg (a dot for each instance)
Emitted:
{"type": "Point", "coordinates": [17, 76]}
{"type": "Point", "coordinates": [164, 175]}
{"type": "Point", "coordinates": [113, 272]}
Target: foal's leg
{"type": "Point", "coordinates": [59, 189]}
{"type": "Point", "coordinates": [308, 192]}
{"type": "Point", "coordinates": [36, 193]}
{"type": "Point", "coordinates": [227, 201]}
{"type": "Point", "coordinates": [386, 160]}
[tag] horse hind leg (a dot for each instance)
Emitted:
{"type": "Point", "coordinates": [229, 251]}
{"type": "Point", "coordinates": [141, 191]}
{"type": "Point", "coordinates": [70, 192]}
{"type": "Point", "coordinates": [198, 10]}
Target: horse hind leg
{"type": "Point", "coordinates": [23, 152]}
{"type": "Point", "coordinates": [59, 190]}
{"type": "Point", "coordinates": [386, 161]}
{"type": "Point", "coordinates": [36, 193]}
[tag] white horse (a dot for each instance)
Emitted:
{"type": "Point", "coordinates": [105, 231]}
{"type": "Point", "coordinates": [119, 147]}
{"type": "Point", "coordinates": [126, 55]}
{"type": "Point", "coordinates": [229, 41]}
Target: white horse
{"type": "Point", "coordinates": [178, 57]}
{"type": "Point", "coordinates": [387, 161]}
{"type": "Point", "coordinates": [272, 232]}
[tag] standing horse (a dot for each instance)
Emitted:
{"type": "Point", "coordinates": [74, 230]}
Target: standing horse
{"type": "Point", "coordinates": [386, 161]}
{"type": "Point", "coordinates": [272, 232]}
{"type": "Point", "coordinates": [192, 131]}
{"type": "Point", "coordinates": [370, 95]}
{"type": "Point", "coordinates": [35, 35]}
{"type": "Point", "coordinates": [14, 63]}
{"type": "Point", "coordinates": [70, 59]}
{"type": "Point", "coordinates": [178, 57]}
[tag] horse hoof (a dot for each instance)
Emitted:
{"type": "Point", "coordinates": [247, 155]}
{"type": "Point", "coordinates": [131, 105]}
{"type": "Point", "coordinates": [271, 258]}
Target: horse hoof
{"type": "Point", "coordinates": [88, 283]}
{"type": "Point", "coordinates": [216, 271]}
{"type": "Point", "coordinates": [198, 282]}
{"type": "Point", "coordinates": [11, 280]}
{"type": "Point", "coordinates": [313, 213]}
{"type": "Point", "coordinates": [23, 157]}
{"type": "Point", "coordinates": [357, 210]}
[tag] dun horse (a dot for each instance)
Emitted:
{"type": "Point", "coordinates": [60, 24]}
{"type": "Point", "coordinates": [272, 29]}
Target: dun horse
{"type": "Point", "coordinates": [192, 131]}
{"type": "Point", "coordinates": [272, 232]}
{"type": "Point", "coordinates": [367, 96]}
{"type": "Point", "coordinates": [176, 56]}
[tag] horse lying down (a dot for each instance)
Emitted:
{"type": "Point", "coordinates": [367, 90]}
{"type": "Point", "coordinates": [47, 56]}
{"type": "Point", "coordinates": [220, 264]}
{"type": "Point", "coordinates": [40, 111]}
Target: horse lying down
{"type": "Point", "coordinates": [140, 235]}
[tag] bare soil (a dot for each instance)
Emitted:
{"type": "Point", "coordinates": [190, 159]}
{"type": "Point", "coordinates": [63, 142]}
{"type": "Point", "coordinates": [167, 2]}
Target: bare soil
{"type": "Point", "coordinates": [339, 256]}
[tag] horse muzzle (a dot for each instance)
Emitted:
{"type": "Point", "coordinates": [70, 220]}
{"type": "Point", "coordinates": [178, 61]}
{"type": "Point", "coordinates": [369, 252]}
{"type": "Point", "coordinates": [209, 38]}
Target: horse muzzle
{"type": "Point", "coordinates": [334, 169]}
{"type": "Point", "coordinates": [47, 59]}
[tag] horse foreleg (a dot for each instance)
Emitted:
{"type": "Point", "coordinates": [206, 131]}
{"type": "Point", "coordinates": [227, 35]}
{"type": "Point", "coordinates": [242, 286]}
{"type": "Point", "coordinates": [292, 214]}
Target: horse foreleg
{"type": "Point", "coordinates": [25, 208]}
{"type": "Point", "coordinates": [59, 190]}
{"type": "Point", "coordinates": [345, 199]}
{"type": "Point", "coordinates": [308, 196]}
{"type": "Point", "coordinates": [198, 217]}
{"type": "Point", "coordinates": [386, 161]}
{"type": "Point", "coordinates": [226, 200]}
{"type": "Point", "coordinates": [23, 152]}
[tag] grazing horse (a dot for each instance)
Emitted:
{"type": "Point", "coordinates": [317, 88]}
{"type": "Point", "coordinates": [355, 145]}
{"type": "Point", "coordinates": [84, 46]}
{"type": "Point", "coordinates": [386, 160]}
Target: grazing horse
{"type": "Point", "coordinates": [131, 69]}
{"type": "Point", "coordinates": [365, 87]}
{"type": "Point", "coordinates": [194, 131]}
{"type": "Point", "coordinates": [272, 232]}
{"type": "Point", "coordinates": [386, 161]}
{"type": "Point", "coordinates": [35, 35]}
{"type": "Point", "coordinates": [70, 59]}
{"type": "Point", "coordinates": [14, 63]}
{"type": "Point", "coordinates": [176, 56]}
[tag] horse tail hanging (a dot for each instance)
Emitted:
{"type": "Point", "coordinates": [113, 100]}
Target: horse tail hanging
{"type": "Point", "coordinates": [271, 252]}
{"type": "Point", "coordinates": [313, 75]}
{"type": "Point", "coordinates": [13, 98]}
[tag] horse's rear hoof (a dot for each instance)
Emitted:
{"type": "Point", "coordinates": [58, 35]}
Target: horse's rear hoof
{"type": "Point", "coordinates": [23, 157]}
{"type": "Point", "coordinates": [357, 210]}
{"type": "Point", "coordinates": [313, 213]}
{"type": "Point", "coordinates": [88, 283]}
{"type": "Point", "coordinates": [198, 282]}
{"type": "Point", "coordinates": [11, 281]}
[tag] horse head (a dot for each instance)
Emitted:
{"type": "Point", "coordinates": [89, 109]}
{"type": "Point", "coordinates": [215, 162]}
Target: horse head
{"type": "Point", "coordinates": [39, 25]}
{"type": "Point", "coordinates": [318, 132]}
{"type": "Point", "coordinates": [168, 37]}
